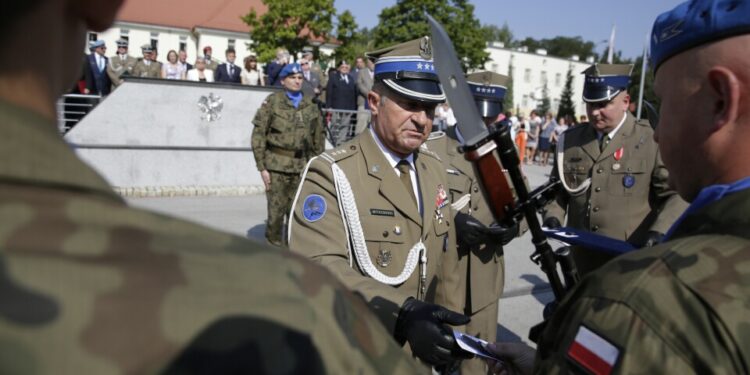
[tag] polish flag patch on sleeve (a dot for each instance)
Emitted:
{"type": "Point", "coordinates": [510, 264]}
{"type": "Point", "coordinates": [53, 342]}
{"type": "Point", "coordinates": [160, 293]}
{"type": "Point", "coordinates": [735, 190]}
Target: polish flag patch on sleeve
{"type": "Point", "coordinates": [593, 352]}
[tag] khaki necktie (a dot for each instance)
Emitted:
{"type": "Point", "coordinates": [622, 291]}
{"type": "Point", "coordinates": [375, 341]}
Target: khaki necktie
{"type": "Point", "coordinates": [603, 142]}
{"type": "Point", "coordinates": [404, 168]}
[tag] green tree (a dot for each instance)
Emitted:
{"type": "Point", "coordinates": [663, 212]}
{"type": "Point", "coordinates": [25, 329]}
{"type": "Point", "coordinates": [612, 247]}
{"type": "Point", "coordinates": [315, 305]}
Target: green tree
{"type": "Point", "coordinates": [499, 34]}
{"type": "Point", "coordinates": [406, 21]}
{"type": "Point", "coordinates": [562, 46]}
{"type": "Point", "coordinates": [352, 41]}
{"type": "Point", "coordinates": [567, 108]}
{"type": "Point", "coordinates": [289, 24]}
{"type": "Point", "coordinates": [508, 104]}
{"type": "Point", "coordinates": [635, 85]}
{"type": "Point", "coordinates": [543, 107]}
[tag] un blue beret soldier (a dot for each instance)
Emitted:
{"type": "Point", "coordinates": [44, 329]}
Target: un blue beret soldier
{"type": "Point", "coordinates": [479, 239]}
{"type": "Point", "coordinates": [682, 307]}
{"type": "Point", "coordinates": [288, 131]}
{"type": "Point", "coordinates": [376, 210]}
{"type": "Point", "coordinates": [615, 183]}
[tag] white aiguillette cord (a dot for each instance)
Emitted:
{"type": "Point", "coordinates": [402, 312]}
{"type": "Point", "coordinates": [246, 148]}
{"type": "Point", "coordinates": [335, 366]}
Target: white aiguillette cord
{"type": "Point", "coordinates": [417, 254]}
{"type": "Point", "coordinates": [560, 151]}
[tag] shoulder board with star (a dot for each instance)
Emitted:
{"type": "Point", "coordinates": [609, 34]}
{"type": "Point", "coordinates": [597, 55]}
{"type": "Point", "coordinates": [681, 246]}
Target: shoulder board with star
{"type": "Point", "coordinates": [436, 135]}
{"type": "Point", "coordinates": [343, 151]}
{"type": "Point", "coordinates": [423, 150]}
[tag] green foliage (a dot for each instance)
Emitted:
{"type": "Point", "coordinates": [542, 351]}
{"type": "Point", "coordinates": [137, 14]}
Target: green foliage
{"type": "Point", "coordinates": [561, 46]}
{"type": "Point", "coordinates": [508, 104]}
{"type": "Point", "coordinates": [499, 34]}
{"type": "Point", "coordinates": [406, 21]}
{"type": "Point", "coordinates": [289, 24]}
{"type": "Point", "coordinates": [353, 42]}
{"type": "Point", "coordinates": [635, 84]}
{"type": "Point", "coordinates": [543, 107]}
{"type": "Point", "coordinates": [567, 108]}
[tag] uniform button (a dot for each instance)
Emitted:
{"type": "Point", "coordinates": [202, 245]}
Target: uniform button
{"type": "Point", "coordinates": [595, 228]}
{"type": "Point", "coordinates": [385, 233]}
{"type": "Point", "coordinates": [596, 209]}
{"type": "Point", "coordinates": [476, 208]}
{"type": "Point", "coordinates": [476, 189]}
{"type": "Point", "coordinates": [352, 147]}
{"type": "Point", "coordinates": [598, 189]}
{"type": "Point", "coordinates": [599, 171]}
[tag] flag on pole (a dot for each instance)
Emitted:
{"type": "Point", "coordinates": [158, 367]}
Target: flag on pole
{"type": "Point", "coordinates": [611, 52]}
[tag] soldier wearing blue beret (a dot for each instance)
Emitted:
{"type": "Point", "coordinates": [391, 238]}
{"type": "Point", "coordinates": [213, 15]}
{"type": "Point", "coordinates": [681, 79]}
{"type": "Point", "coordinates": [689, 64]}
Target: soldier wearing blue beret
{"type": "Point", "coordinates": [682, 307]}
{"type": "Point", "coordinates": [614, 182]}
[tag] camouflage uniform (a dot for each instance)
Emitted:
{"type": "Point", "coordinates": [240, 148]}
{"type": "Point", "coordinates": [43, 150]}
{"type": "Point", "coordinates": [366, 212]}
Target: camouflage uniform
{"type": "Point", "coordinates": [629, 194]}
{"type": "Point", "coordinates": [283, 140]}
{"type": "Point", "coordinates": [685, 307]}
{"type": "Point", "coordinates": [92, 286]}
{"type": "Point", "coordinates": [152, 70]}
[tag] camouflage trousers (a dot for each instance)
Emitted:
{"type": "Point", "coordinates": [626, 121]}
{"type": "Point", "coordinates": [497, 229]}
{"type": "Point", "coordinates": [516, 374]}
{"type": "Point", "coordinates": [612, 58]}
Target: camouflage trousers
{"type": "Point", "coordinates": [279, 199]}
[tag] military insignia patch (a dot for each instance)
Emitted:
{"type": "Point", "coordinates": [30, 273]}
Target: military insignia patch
{"type": "Point", "coordinates": [593, 352]}
{"type": "Point", "coordinates": [384, 258]}
{"type": "Point", "coordinates": [314, 208]}
{"type": "Point", "coordinates": [628, 181]}
{"type": "Point", "coordinates": [425, 48]}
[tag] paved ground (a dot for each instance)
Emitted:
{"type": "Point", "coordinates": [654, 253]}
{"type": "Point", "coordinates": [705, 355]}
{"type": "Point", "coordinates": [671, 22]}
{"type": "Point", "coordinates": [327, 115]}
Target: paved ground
{"type": "Point", "coordinates": [526, 289]}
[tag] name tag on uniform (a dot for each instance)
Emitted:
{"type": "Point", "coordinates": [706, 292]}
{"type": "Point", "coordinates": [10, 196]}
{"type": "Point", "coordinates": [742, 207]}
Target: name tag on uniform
{"type": "Point", "coordinates": [379, 212]}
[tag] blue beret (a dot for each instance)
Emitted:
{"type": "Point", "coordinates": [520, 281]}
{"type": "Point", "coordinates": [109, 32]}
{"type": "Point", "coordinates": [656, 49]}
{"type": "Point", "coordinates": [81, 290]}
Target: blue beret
{"type": "Point", "coordinates": [696, 22]}
{"type": "Point", "coordinates": [96, 44]}
{"type": "Point", "coordinates": [292, 68]}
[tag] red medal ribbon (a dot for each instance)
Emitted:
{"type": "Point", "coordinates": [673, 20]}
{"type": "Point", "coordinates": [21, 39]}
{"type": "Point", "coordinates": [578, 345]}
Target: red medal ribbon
{"type": "Point", "coordinates": [618, 153]}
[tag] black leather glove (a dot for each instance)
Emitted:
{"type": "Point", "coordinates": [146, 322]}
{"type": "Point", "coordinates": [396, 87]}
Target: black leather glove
{"type": "Point", "coordinates": [424, 326]}
{"type": "Point", "coordinates": [552, 223]}
{"type": "Point", "coordinates": [653, 238]}
{"type": "Point", "coordinates": [469, 230]}
{"type": "Point", "coordinates": [502, 233]}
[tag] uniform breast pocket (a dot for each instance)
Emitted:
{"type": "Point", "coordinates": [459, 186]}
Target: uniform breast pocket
{"type": "Point", "coordinates": [628, 178]}
{"type": "Point", "coordinates": [386, 241]}
{"type": "Point", "coordinates": [576, 173]}
{"type": "Point", "coordinates": [458, 186]}
{"type": "Point", "coordinates": [280, 133]}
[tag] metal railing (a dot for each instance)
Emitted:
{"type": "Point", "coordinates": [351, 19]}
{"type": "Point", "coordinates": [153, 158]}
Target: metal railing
{"type": "Point", "coordinates": [343, 125]}
{"type": "Point", "coordinates": [71, 108]}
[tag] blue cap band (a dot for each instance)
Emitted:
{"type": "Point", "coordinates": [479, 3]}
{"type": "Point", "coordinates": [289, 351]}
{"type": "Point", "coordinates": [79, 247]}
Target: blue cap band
{"type": "Point", "coordinates": [599, 88]}
{"type": "Point", "coordinates": [696, 22]}
{"type": "Point", "coordinates": [488, 91]}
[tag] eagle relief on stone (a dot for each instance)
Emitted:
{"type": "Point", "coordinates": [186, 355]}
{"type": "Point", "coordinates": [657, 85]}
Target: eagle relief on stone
{"type": "Point", "coordinates": [211, 107]}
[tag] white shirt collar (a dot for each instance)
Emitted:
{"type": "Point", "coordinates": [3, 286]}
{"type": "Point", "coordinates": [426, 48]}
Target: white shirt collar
{"type": "Point", "coordinates": [392, 157]}
{"type": "Point", "coordinates": [611, 134]}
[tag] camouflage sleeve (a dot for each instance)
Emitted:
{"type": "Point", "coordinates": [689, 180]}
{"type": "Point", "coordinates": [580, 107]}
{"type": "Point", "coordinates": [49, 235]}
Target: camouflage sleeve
{"type": "Point", "coordinates": [260, 131]}
{"type": "Point", "coordinates": [318, 133]}
{"type": "Point", "coordinates": [668, 202]}
{"type": "Point", "coordinates": [557, 207]}
{"type": "Point", "coordinates": [319, 234]}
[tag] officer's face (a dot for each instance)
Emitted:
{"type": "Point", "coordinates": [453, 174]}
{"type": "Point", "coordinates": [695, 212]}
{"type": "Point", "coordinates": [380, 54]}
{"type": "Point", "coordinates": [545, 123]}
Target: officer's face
{"type": "Point", "coordinates": [292, 82]}
{"type": "Point", "coordinates": [605, 116]}
{"type": "Point", "coordinates": [230, 57]}
{"type": "Point", "coordinates": [401, 124]}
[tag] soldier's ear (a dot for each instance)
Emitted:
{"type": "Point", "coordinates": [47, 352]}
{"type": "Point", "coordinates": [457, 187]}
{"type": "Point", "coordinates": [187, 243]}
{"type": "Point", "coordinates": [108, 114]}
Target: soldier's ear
{"type": "Point", "coordinates": [373, 99]}
{"type": "Point", "coordinates": [97, 14]}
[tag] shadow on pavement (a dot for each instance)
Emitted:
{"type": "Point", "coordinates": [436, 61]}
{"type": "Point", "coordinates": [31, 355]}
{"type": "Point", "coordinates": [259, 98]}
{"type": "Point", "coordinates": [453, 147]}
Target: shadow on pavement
{"type": "Point", "coordinates": [505, 335]}
{"type": "Point", "coordinates": [541, 289]}
{"type": "Point", "coordinates": [257, 233]}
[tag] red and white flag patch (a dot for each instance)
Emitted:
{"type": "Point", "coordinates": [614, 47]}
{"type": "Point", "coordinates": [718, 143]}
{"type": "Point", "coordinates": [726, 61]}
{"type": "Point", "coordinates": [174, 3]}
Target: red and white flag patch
{"type": "Point", "coordinates": [593, 352]}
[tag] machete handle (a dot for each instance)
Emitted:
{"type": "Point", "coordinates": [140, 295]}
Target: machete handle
{"type": "Point", "coordinates": [492, 176]}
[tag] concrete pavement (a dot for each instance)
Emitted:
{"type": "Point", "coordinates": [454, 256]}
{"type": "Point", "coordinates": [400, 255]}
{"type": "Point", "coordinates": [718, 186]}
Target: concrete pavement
{"type": "Point", "coordinates": [526, 288]}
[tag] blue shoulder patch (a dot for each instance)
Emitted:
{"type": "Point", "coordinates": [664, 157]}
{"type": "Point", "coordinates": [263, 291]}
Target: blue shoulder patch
{"type": "Point", "coordinates": [314, 208]}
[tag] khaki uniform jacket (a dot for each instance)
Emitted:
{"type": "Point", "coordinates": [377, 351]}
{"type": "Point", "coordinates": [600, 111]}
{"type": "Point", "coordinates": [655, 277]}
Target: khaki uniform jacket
{"type": "Point", "coordinates": [610, 206]}
{"type": "Point", "coordinates": [391, 223]}
{"type": "Point", "coordinates": [118, 66]}
{"type": "Point", "coordinates": [285, 138]}
{"type": "Point", "coordinates": [92, 286]}
{"type": "Point", "coordinates": [677, 308]}
{"type": "Point", "coordinates": [212, 64]}
{"type": "Point", "coordinates": [487, 276]}
{"type": "Point", "coordinates": [152, 70]}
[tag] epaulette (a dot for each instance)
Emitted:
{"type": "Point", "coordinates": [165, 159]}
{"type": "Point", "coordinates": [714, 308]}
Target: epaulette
{"type": "Point", "coordinates": [436, 135]}
{"type": "Point", "coordinates": [643, 122]}
{"type": "Point", "coordinates": [423, 150]}
{"type": "Point", "coordinates": [342, 152]}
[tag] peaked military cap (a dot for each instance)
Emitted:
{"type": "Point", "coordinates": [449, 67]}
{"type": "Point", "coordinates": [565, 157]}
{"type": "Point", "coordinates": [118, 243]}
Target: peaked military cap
{"type": "Point", "coordinates": [122, 43]}
{"type": "Point", "coordinates": [147, 48]}
{"type": "Point", "coordinates": [408, 70]}
{"type": "Point", "coordinates": [489, 90]}
{"type": "Point", "coordinates": [288, 69]}
{"type": "Point", "coordinates": [696, 22]}
{"type": "Point", "coordinates": [605, 81]}
{"type": "Point", "coordinates": [96, 44]}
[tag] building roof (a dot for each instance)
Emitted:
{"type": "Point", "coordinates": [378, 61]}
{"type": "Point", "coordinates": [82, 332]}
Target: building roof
{"type": "Point", "coordinates": [187, 14]}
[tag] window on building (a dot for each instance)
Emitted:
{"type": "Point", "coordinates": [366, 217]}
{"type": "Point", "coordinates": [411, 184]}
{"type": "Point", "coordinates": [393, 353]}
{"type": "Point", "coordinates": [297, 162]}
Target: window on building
{"type": "Point", "coordinates": [527, 75]}
{"type": "Point", "coordinates": [125, 34]}
{"type": "Point", "coordinates": [230, 43]}
{"type": "Point", "coordinates": [558, 79]}
{"type": "Point", "coordinates": [543, 78]}
{"type": "Point", "coordinates": [525, 101]}
{"type": "Point", "coordinates": [183, 43]}
{"type": "Point", "coordinates": [495, 67]}
{"type": "Point", "coordinates": [155, 40]}
{"type": "Point", "coordinates": [93, 37]}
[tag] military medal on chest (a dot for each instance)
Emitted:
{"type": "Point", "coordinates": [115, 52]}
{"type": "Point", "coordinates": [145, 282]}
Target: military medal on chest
{"type": "Point", "coordinates": [441, 200]}
{"type": "Point", "coordinates": [618, 155]}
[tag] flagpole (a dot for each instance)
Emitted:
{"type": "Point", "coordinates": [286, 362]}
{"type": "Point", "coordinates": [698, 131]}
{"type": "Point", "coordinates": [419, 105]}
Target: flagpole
{"type": "Point", "coordinates": [644, 65]}
{"type": "Point", "coordinates": [610, 55]}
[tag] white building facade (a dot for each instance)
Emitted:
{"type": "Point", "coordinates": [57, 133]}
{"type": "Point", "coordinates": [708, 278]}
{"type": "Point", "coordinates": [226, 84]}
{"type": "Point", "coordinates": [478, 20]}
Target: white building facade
{"type": "Point", "coordinates": [532, 71]}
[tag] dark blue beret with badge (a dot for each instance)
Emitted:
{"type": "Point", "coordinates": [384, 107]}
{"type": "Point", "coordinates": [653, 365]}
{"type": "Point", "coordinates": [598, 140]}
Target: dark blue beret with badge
{"type": "Point", "coordinates": [288, 69]}
{"type": "Point", "coordinates": [489, 90]}
{"type": "Point", "coordinates": [604, 81]}
{"type": "Point", "coordinates": [408, 70]}
{"type": "Point", "coordinates": [696, 22]}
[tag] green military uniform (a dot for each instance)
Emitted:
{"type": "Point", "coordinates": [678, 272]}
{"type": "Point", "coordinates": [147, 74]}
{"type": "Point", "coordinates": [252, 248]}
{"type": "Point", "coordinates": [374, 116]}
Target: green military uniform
{"type": "Point", "coordinates": [212, 64]}
{"type": "Point", "coordinates": [678, 308]}
{"type": "Point", "coordinates": [284, 139]}
{"type": "Point", "coordinates": [120, 65]}
{"type": "Point", "coordinates": [92, 286]}
{"type": "Point", "coordinates": [628, 195]}
{"type": "Point", "coordinates": [150, 69]}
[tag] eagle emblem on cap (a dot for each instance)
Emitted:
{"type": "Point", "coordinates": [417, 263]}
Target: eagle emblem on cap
{"type": "Point", "coordinates": [425, 48]}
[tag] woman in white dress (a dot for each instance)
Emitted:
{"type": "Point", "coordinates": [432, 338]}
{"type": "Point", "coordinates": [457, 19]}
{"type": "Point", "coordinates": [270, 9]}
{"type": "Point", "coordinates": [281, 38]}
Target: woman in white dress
{"type": "Point", "coordinates": [200, 73]}
{"type": "Point", "coordinates": [251, 75]}
{"type": "Point", "coordinates": [172, 69]}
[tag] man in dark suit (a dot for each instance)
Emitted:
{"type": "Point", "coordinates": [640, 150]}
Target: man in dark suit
{"type": "Point", "coordinates": [341, 94]}
{"type": "Point", "coordinates": [97, 80]}
{"type": "Point", "coordinates": [228, 72]}
{"type": "Point", "coordinates": [311, 83]}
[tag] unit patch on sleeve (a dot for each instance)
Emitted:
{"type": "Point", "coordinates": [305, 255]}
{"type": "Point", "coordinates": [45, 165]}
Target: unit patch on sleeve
{"type": "Point", "coordinates": [314, 208]}
{"type": "Point", "coordinates": [593, 352]}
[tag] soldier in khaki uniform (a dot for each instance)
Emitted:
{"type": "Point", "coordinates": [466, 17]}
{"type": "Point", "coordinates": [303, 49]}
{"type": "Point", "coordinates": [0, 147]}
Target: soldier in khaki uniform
{"type": "Point", "coordinates": [92, 286]}
{"type": "Point", "coordinates": [288, 132]}
{"type": "Point", "coordinates": [615, 183]}
{"type": "Point", "coordinates": [682, 307]}
{"type": "Point", "coordinates": [480, 240]}
{"type": "Point", "coordinates": [376, 210]}
{"type": "Point", "coordinates": [146, 66]}
{"type": "Point", "coordinates": [121, 63]}
{"type": "Point", "coordinates": [211, 63]}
